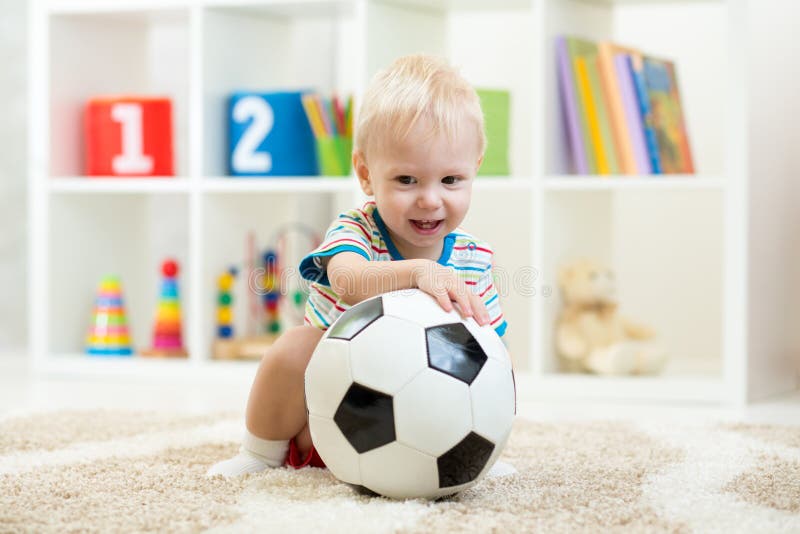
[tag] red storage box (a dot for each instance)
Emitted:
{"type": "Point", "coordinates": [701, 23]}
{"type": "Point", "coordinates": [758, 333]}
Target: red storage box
{"type": "Point", "coordinates": [128, 136]}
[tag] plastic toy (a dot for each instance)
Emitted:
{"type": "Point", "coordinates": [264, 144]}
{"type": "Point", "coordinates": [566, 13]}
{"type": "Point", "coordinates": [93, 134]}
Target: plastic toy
{"type": "Point", "coordinates": [408, 400]}
{"type": "Point", "coordinates": [128, 136]}
{"type": "Point", "coordinates": [268, 283]}
{"type": "Point", "coordinates": [225, 304]}
{"type": "Point", "coordinates": [108, 335]}
{"type": "Point", "coordinates": [167, 332]}
{"type": "Point", "coordinates": [272, 292]}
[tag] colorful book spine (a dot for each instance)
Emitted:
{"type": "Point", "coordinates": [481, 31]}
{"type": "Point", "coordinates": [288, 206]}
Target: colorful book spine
{"type": "Point", "coordinates": [626, 159]}
{"type": "Point", "coordinates": [588, 102]}
{"type": "Point", "coordinates": [668, 123]}
{"type": "Point", "coordinates": [684, 141]}
{"type": "Point", "coordinates": [604, 122]}
{"type": "Point", "coordinates": [636, 67]}
{"type": "Point", "coordinates": [632, 114]}
{"type": "Point", "coordinates": [569, 104]}
{"type": "Point", "coordinates": [577, 48]}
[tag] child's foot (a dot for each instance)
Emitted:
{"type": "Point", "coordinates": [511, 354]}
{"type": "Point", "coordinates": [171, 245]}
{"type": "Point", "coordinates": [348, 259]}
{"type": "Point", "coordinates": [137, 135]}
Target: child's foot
{"type": "Point", "coordinates": [241, 464]}
{"type": "Point", "coordinates": [501, 469]}
{"type": "Point", "coordinates": [255, 455]}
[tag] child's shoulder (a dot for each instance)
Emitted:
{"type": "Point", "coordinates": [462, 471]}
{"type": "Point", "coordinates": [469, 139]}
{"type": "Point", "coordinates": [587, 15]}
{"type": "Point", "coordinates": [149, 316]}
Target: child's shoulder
{"type": "Point", "coordinates": [462, 237]}
{"type": "Point", "coordinates": [470, 248]}
{"type": "Point", "coordinates": [364, 215]}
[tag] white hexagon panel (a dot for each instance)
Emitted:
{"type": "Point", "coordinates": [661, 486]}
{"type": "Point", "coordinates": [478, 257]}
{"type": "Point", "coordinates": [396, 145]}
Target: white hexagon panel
{"type": "Point", "coordinates": [337, 453]}
{"type": "Point", "coordinates": [493, 401]}
{"type": "Point", "coordinates": [388, 354]}
{"type": "Point", "coordinates": [415, 305]}
{"type": "Point", "coordinates": [400, 472]}
{"type": "Point", "coordinates": [327, 377]}
{"type": "Point", "coordinates": [492, 345]}
{"type": "Point", "coordinates": [433, 412]}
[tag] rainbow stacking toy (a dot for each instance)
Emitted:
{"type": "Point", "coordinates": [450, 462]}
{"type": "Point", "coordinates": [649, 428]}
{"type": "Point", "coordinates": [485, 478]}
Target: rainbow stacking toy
{"type": "Point", "coordinates": [108, 335]}
{"type": "Point", "coordinates": [167, 333]}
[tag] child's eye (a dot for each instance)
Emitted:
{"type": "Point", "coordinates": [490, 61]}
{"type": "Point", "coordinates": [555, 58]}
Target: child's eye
{"type": "Point", "coordinates": [406, 180]}
{"type": "Point", "coordinates": [450, 180]}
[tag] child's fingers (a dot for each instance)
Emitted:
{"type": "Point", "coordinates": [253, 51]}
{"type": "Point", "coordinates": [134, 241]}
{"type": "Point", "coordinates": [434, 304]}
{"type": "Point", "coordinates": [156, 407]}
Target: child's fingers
{"type": "Point", "coordinates": [480, 314]}
{"type": "Point", "coordinates": [463, 302]}
{"type": "Point", "coordinates": [444, 301]}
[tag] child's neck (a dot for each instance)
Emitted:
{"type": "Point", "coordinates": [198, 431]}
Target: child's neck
{"type": "Point", "coordinates": [410, 252]}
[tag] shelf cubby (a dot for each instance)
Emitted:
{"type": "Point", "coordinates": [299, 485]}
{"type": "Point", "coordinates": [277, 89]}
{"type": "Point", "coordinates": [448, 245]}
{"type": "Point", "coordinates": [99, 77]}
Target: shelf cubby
{"type": "Point", "coordinates": [449, 29]}
{"type": "Point", "coordinates": [665, 249]}
{"type": "Point", "coordinates": [701, 55]}
{"type": "Point", "coordinates": [271, 46]}
{"type": "Point", "coordinates": [107, 53]}
{"type": "Point", "coordinates": [124, 235]}
{"type": "Point", "coordinates": [229, 218]}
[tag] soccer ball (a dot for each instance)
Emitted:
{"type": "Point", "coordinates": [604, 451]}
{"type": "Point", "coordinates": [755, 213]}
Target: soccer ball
{"type": "Point", "coordinates": [407, 400]}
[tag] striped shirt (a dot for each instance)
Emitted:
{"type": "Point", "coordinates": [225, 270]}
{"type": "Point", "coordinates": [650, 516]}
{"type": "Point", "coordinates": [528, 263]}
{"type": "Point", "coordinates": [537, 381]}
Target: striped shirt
{"type": "Point", "coordinates": [362, 231]}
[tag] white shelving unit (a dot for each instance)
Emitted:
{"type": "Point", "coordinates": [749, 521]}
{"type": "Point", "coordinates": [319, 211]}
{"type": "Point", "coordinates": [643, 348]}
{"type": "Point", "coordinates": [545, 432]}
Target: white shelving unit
{"type": "Point", "coordinates": [678, 243]}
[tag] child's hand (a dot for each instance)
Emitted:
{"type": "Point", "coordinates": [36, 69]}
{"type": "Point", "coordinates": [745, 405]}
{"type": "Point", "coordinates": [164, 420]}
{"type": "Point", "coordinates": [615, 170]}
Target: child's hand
{"type": "Point", "coordinates": [446, 287]}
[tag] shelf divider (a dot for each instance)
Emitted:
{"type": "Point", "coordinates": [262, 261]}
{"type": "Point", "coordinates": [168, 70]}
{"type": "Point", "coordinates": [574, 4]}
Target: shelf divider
{"type": "Point", "coordinates": [643, 183]}
{"type": "Point", "coordinates": [116, 185]}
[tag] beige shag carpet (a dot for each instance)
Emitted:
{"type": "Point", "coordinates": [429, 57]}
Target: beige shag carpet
{"type": "Point", "coordinates": [120, 471]}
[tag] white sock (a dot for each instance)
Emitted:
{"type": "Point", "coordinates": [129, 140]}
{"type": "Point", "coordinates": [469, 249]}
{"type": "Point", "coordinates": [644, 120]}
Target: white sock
{"type": "Point", "coordinates": [254, 456]}
{"type": "Point", "coordinates": [501, 469]}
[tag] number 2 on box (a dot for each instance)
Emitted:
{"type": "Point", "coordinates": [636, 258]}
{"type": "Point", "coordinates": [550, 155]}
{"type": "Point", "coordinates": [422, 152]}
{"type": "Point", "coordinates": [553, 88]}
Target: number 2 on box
{"type": "Point", "coordinates": [245, 157]}
{"type": "Point", "coordinates": [132, 160]}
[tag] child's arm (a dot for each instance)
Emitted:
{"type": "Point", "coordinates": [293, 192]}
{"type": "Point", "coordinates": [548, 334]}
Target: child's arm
{"type": "Point", "coordinates": [354, 278]}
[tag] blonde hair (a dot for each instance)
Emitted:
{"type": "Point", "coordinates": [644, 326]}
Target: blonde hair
{"type": "Point", "coordinates": [415, 86]}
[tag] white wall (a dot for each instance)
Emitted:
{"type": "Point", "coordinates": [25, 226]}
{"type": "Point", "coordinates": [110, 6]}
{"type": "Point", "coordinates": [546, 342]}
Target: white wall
{"type": "Point", "coordinates": [13, 125]}
{"type": "Point", "coordinates": [774, 191]}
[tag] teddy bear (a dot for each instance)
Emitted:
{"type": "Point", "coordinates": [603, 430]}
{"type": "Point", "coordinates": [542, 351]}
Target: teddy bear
{"type": "Point", "coordinates": [591, 336]}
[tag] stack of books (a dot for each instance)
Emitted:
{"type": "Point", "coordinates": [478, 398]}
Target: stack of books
{"type": "Point", "coordinates": [622, 110]}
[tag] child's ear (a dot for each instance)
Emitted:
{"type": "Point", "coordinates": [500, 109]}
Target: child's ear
{"type": "Point", "coordinates": [480, 162]}
{"type": "Point", "coordinates": [362, 172]}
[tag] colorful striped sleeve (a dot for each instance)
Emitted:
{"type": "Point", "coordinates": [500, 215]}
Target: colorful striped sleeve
{"type": "Point", "coordinates": [350, 232]}
{"type": "Point", "coordinates": [486, 289]}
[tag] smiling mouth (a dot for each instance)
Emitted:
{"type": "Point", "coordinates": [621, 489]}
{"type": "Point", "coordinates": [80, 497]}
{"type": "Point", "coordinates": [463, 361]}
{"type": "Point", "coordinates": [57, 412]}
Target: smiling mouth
{"type": "Point", "coordinates": [426, 224]}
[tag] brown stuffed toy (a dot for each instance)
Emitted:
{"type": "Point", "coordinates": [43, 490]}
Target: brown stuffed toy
{"type": "Point", "coordinates": [591, 336]}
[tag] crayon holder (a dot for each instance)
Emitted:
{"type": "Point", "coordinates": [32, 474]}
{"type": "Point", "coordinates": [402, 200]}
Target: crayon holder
{"type": "Point", "coordinates": [333, 155]}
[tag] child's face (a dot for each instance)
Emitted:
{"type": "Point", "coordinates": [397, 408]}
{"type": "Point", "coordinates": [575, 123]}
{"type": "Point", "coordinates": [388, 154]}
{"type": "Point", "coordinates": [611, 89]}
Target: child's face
{"type": "Point", "coordinates": [422, 186]}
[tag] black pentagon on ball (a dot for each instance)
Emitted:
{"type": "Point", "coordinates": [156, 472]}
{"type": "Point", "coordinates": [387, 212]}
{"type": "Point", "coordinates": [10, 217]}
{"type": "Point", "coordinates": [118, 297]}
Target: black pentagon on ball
{"type": "Point", "coordinates": [464, 462]}
{"type": "Point", "coordinates": [366, 418]}
{"type": "Point", "coordinates": [356, 319]}
{"type": "Point", "coordinates": [453, 350]}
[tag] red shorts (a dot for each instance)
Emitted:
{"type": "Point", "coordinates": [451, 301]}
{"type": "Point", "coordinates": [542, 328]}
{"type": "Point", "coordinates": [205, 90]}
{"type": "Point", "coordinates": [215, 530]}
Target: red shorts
{"type": "Point", "coordinates": [296, 460]}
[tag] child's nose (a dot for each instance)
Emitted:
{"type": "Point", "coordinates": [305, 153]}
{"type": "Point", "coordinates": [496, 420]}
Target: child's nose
{"type": "Point", "coordinates": [429, 199]}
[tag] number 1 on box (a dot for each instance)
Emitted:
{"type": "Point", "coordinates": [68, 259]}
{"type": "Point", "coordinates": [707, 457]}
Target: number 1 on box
{"type": "Point", "coordinates": [132, 160]}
